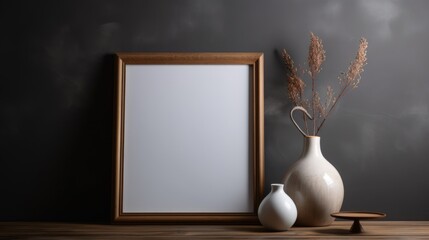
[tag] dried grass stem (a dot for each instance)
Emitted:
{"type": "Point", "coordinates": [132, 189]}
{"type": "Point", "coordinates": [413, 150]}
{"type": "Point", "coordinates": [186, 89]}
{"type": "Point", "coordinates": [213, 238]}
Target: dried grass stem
{"type": "Point", "coordinates": [316, 56]}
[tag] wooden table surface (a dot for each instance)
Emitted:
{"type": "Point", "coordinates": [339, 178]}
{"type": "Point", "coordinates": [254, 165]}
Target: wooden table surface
{"type": "Point", "coordinates": [338, 230]}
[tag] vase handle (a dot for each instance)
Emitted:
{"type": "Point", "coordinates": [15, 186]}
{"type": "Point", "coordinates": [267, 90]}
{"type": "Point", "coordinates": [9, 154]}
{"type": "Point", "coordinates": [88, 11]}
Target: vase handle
{"type": "Point", "coordinates": [293, 120]}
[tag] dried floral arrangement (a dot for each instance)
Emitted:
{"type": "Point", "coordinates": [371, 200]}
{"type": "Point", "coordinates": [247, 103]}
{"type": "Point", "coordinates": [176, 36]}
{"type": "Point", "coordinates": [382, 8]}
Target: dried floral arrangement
{"type": "Point", "coordinates": [296, 85]}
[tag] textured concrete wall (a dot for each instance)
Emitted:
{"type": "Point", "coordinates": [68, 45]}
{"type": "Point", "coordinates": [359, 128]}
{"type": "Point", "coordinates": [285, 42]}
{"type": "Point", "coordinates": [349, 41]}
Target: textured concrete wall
{"type": "Point", "coordinates": [56, 100]}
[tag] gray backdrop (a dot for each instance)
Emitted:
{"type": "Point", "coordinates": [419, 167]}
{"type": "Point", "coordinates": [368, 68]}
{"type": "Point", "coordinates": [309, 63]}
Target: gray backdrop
{"type": "Point", "coordinates": [56, 94]}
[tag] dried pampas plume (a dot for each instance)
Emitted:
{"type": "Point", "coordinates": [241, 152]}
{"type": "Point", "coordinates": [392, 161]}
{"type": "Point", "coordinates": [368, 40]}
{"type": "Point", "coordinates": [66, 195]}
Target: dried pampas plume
{"type": "Point", "coordinates": [316, 55]}
{"type": "Point", "coordinates": [352, 77]}
{"type": "Point", "coordinates": [296, 85]}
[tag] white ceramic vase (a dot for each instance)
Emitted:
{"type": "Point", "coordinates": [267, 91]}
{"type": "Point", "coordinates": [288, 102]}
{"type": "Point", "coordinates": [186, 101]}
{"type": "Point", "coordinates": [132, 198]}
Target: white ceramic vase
{"type": "Point", "coordinates": [313, 184]}
{"type": "Point", "coordinates": [277, 211]}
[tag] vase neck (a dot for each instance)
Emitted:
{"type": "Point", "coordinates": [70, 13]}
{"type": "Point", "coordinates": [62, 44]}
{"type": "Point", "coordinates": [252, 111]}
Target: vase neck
{"type": "Point", "coordinates": [276, 187]}
{"type": "Point", "coordinates": [312, 147]}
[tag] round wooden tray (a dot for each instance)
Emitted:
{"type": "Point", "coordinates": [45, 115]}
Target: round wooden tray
{"type": "Point", "coordinates": [356, 217]}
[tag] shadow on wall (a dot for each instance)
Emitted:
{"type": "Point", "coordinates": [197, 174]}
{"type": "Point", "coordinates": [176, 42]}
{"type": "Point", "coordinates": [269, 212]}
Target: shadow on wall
{"type": "Point", "coordinates": [59, 156]}
{"type": "Point", "coordinates": [87, 177]}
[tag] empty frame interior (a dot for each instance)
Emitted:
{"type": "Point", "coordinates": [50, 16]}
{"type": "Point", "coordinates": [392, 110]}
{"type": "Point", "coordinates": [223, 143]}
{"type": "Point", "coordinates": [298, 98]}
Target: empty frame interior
{"type": "Point", "coordinates": [189, 137]}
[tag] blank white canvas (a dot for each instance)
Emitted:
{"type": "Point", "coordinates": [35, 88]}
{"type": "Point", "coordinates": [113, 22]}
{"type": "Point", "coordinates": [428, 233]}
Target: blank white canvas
{"type": "Point", "coordinates": [186, 141]}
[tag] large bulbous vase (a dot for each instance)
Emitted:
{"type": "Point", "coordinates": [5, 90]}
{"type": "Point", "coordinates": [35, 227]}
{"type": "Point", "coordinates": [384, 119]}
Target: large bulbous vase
{"type": "Point", "coordinates": [314, 185]}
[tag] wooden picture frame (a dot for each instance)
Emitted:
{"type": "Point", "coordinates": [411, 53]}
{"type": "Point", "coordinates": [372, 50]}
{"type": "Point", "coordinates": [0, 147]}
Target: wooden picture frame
{"type": "Point", "coordinates": [189, 138]}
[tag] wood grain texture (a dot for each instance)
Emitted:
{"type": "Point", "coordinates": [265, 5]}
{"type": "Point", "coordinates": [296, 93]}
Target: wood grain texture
{"type": "Point", "coordinates": [338, 230]}
{"type": "Point", "coordinates": [190, 57]}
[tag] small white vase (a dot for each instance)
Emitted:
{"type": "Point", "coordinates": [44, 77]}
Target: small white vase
{"type": "Point", "coordinates": [277, 211]}
{"type": "Point", "coordinates": [314, 185]}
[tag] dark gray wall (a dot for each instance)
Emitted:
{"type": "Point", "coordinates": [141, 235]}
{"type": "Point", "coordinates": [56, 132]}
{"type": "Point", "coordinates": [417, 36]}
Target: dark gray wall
{"type": "Point", "coordinates": [56, 94]}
